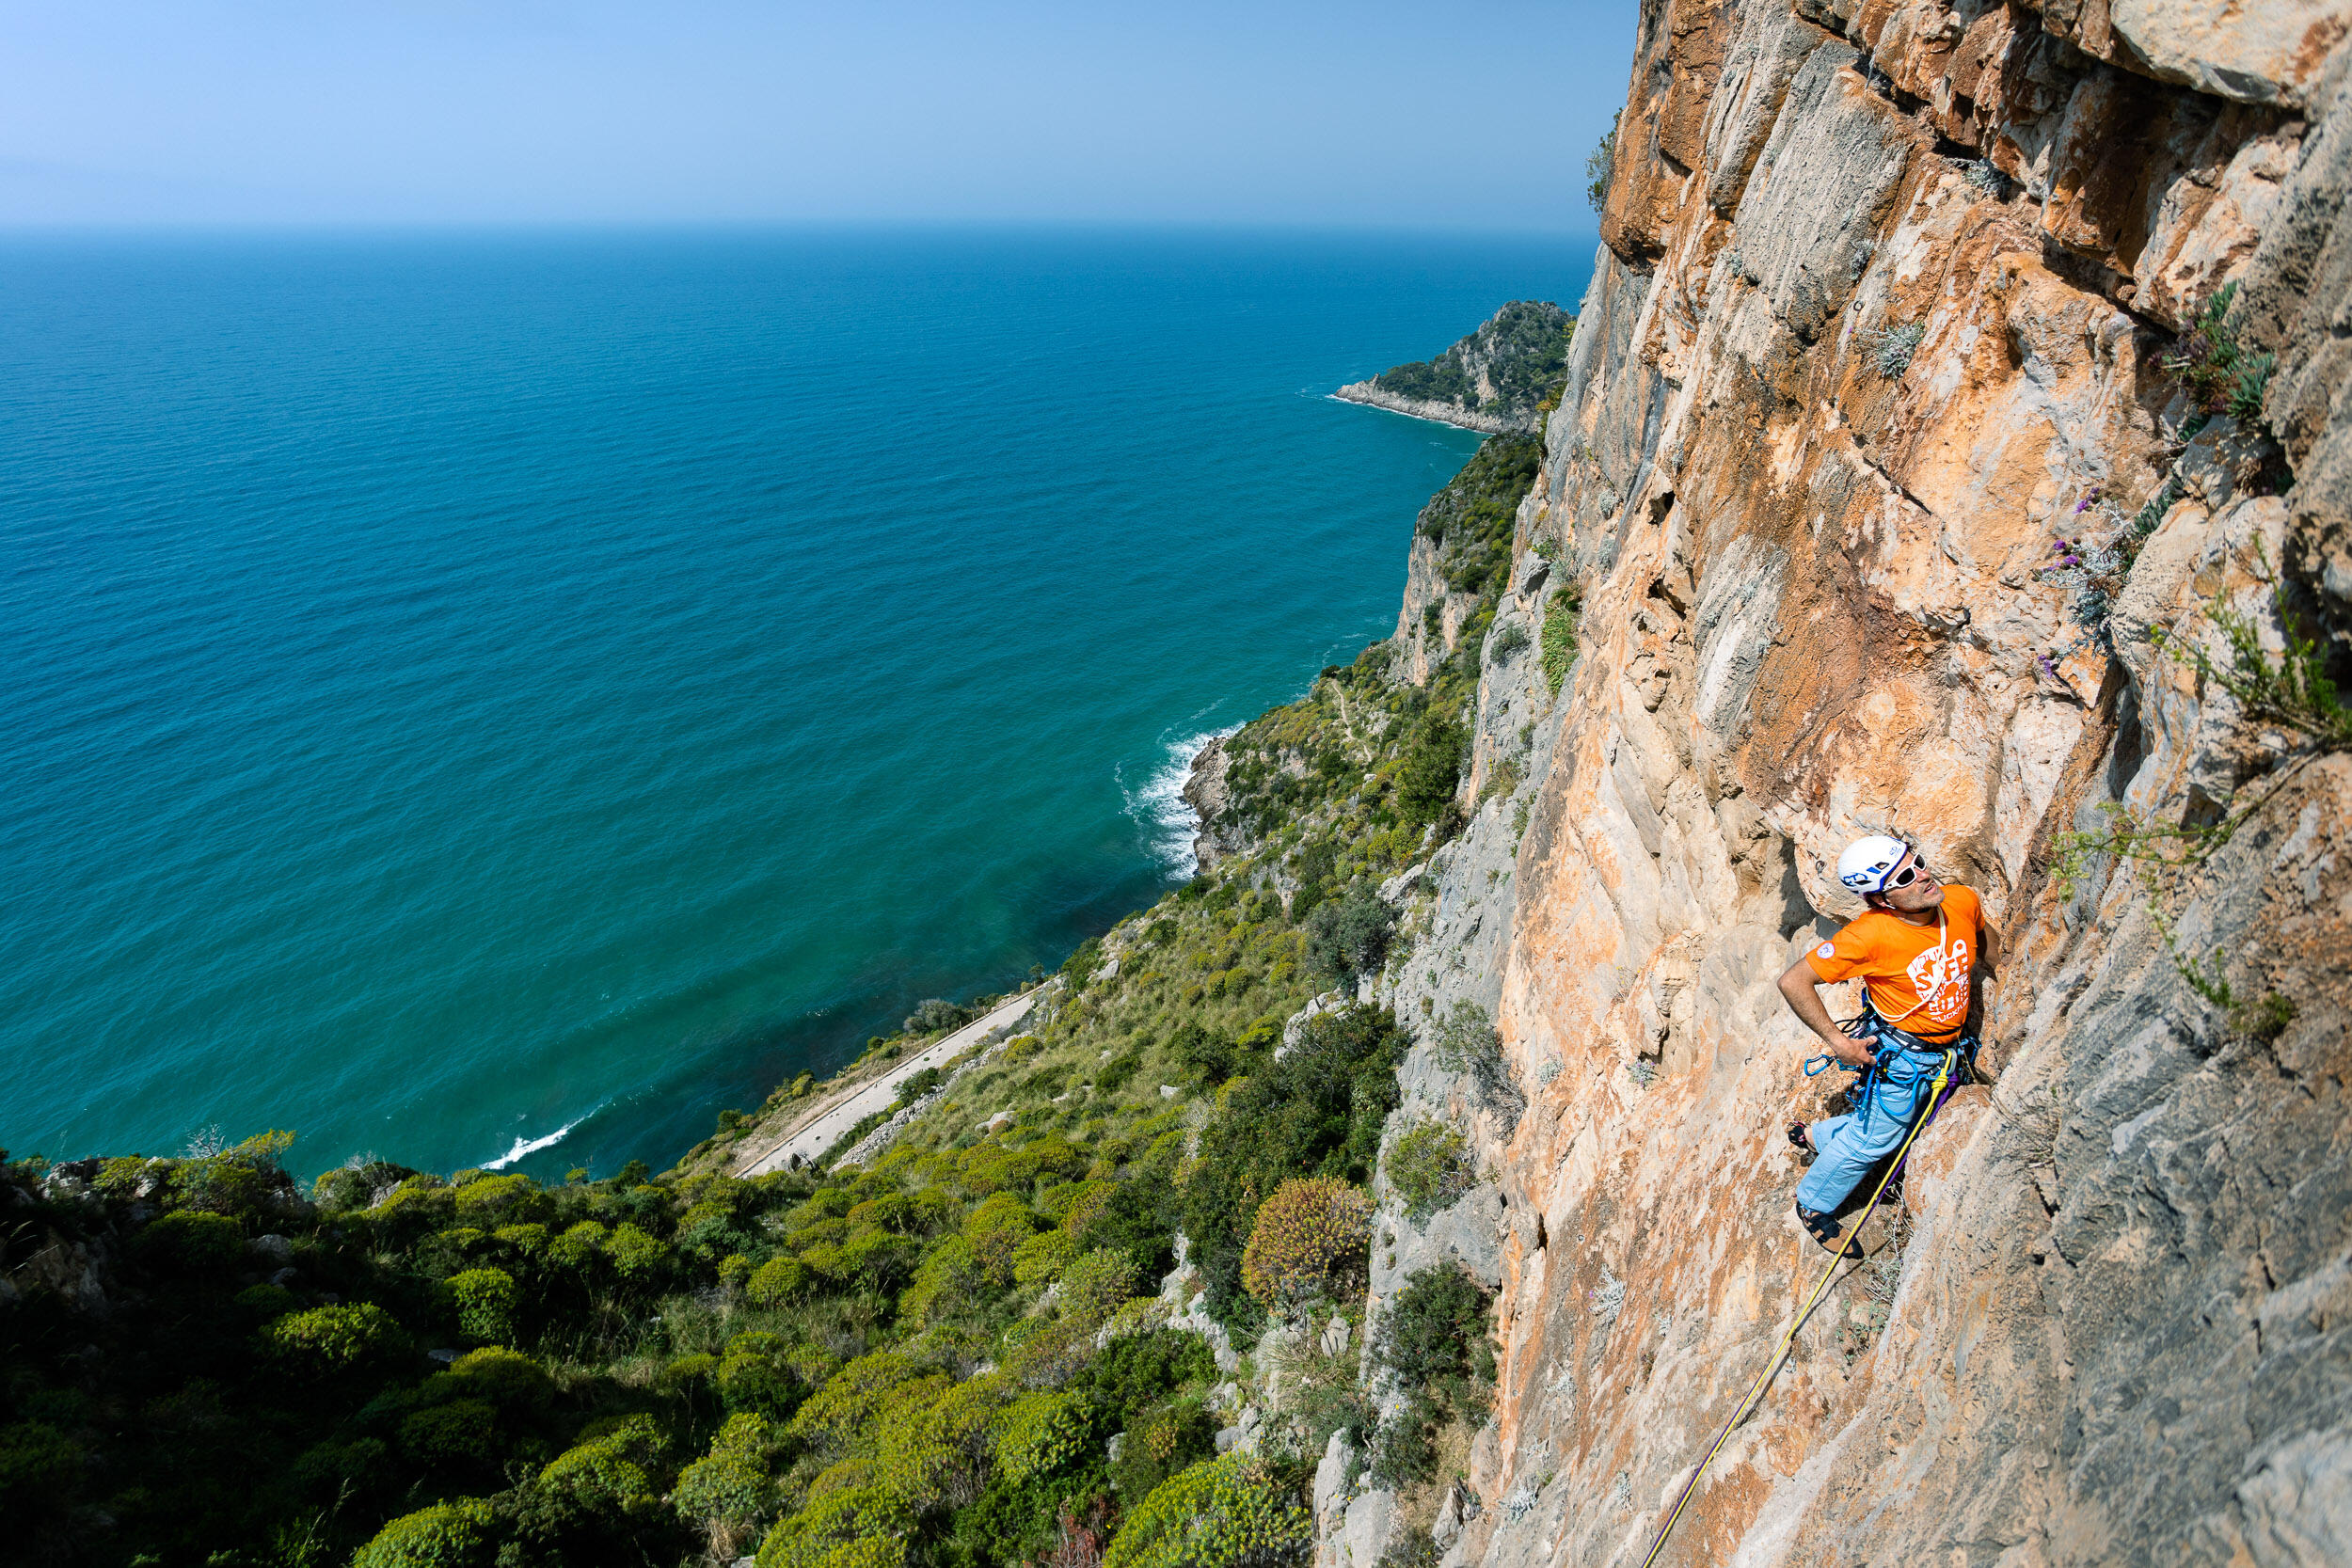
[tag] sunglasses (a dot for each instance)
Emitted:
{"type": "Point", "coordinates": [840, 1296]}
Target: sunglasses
{"type": "Point", "coordinates": [1907, 876]}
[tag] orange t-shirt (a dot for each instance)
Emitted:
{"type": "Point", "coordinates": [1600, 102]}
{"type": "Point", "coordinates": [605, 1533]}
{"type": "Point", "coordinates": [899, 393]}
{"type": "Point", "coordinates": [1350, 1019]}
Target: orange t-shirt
{"type": "Point", "coordinates": [1917, 975]}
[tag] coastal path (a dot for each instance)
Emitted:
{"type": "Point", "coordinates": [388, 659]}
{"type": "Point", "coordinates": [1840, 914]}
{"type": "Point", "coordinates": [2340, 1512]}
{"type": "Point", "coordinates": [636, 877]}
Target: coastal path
{"type": "Point", "coordinates": [812, 1138]}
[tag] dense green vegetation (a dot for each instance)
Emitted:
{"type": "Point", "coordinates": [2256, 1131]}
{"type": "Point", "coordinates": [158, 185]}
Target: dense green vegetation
{"type": "Point", "coordinates": [1523, 350]}
{"type": "Point", "coordinates": [1471, 521]}
{"type": "Point", "coordinates": [924, 1360]}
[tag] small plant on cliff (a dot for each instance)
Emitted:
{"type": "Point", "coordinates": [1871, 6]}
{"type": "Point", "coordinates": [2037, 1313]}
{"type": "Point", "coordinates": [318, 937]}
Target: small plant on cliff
{"type": "Point", "coordinates": [1309, 1236]}
{"type": "Point", "coordinates": [2290, 689]}
{"type": "Point", "coordinates": [1429, 1166]}
{"type": "Point", "coordinates": [1559, 636]}
{"type": "Point", "coordinates": [1599, 165]}
{"type": "Point", "coordinates": [1985, 176]}
{"type": "Point", "coordinates": [1893, 347]}
{"type": "Point", "coordinates": [1465, 1042]}
{"type": "Point", "coordinates": [2225, 378]}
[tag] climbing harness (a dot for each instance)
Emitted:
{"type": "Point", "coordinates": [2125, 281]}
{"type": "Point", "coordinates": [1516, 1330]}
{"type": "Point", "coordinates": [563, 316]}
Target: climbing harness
{"type": "Point", "coordinates": [1954, 1065]}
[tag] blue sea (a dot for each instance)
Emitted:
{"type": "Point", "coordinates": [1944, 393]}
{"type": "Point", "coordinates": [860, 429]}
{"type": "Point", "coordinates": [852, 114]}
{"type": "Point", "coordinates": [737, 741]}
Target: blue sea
{"type": "Point", "coordinates": [481, 698]}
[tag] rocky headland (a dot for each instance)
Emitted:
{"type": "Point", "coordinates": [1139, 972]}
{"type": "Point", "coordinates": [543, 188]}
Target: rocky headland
{"type": "Point", "coordinates": [1496, 380]}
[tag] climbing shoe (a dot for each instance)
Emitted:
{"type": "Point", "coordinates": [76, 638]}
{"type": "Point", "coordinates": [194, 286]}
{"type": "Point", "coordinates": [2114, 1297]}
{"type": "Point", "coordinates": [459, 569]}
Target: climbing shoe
{"type": "Point", "coordinates": [1823, 1228]}
{"type": "Point", "coordinates": [1802, 1135]}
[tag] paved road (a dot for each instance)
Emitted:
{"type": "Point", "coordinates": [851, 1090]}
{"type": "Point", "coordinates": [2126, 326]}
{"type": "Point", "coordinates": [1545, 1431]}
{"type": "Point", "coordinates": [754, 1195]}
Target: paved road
{"type": "Point", "coordinates": [876, 1095]}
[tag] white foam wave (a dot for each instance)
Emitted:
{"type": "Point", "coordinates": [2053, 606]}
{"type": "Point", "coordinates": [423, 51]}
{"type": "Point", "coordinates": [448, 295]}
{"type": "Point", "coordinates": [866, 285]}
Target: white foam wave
{"type": "Point", "coordinates": [533, 1146]}
{"type": "Point", "coordinates": [1159, 808]}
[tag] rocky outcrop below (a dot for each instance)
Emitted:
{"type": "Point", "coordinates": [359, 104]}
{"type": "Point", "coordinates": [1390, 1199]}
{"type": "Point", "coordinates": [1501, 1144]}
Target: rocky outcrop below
{"type": "Point", "coordinates": [1915, 472]}
{"type": "Point", "coordinates": [1497, 380]}
{"type": "Point", "coordinates": [1373, 393]}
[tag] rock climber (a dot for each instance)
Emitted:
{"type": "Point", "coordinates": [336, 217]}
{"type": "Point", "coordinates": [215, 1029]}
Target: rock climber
{"type": "Point", "coordinates": [1917, 949]}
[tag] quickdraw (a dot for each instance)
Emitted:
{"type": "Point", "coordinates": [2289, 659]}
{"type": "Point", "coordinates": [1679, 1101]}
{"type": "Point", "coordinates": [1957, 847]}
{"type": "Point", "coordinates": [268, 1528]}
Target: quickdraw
{"type": "Point", "coordinates": [1952, 1066]}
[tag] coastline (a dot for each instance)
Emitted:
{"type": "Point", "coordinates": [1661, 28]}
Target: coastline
{"type": "Point", "coordinates": [1371, 396]}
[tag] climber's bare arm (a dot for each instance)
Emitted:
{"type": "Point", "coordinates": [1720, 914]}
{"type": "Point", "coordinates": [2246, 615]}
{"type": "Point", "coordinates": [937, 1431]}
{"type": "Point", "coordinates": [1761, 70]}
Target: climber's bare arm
{"type": "Point", "coordinates": [1805, 1001]}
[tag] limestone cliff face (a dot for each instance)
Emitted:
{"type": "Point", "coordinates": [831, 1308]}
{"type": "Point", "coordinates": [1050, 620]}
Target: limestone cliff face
{"type": "Point", "coordinates": [1880, 314]}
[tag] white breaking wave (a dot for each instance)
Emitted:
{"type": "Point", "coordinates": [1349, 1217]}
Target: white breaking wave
{"type": "Point", "coordinates": [533, 1146]}
{"type": "Point", "coordinates": [1159, 808]}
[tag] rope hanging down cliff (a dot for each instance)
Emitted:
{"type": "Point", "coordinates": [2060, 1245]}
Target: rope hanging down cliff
{"type": "Point", "coordinates": [1763, 1380]}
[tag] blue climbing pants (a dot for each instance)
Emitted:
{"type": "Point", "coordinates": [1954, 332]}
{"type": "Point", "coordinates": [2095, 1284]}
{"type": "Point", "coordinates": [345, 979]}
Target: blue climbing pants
{"type": "Point", "coordinates": [1847, 1146]}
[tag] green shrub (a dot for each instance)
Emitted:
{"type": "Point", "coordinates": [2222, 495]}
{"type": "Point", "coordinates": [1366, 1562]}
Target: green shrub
{"type": "Point", "coordinates": [1162, 1441]}
{"type": "Point", "coordinates": [611, 1473]}
{"type": "Point", "coordinates": [1431, 773]}
{"type": "Point", "coordinates": [1429, 1166]}
{"type": "Point", "coordinates": [1095, 1286]}
{"type": "Point", "coordinates": [1601, 165]}
{"type": "Point", "coordinates": [1224, 1512]}
{"type": "Point", "coordinates": [639, 1258]}
{"type": "Point", "coordinates": [776, 1282]}
{"type": "Point", "coordinates": [915, 1085]}
{"type": "Point", "coordinates": [338, 1341]}
{"type": "Point", "coordinates": [1465, 1041]}
{"type": "Point", "coordinates": [1435, 1341]}
{"type": "Point", "coordinates": [1558, 635]}
{"type": "Point", "coordinates": [447, 1535]}
{"type": "Point", "coordinates": [933, 1016]}
{"type": "Point", "coordinates": [729, 1491]}
{"type": "Point", "coordinates": [193, 1242]}
{"type": "Point", "coordinates": [39, 1466]}
{"type": "Point", "coordinates": [580, 1247]}
{"type": "Point", "coordinates": [507, 1378]}
{"type": "Point", "coordinates": [1041, 1433]}
{"type": "Point", "coordinates": [995, 1230]}
{"type": "Point", "coordinates": [266, 1302]}
{"type": "Point", "coordinates": [1042, 1259]}
{"type": "Point", "coordinates": [857, 1527]}
{"type": "Point", "coordinates": [833, 1416]}
{"type": "Point", "coordinates": [494, 1200]}
{"type": "Point", "coordinates": [1319, 1111]}
{"type": "Point", "coordinates": [1206, 1057]}
{"type": "Point", "coordinates": [463, 1432]}
{"type": "Point", "coordinates": [1308, 1232]}
{"type": "Point", "coordinates": [485, 1301]}
{"type": "Point", "coordinates": [1137, 1372]}
{"type": "Point", "coordinates": [1350, 937]}
{"type": "Point", "coordinates": [754, 1383]}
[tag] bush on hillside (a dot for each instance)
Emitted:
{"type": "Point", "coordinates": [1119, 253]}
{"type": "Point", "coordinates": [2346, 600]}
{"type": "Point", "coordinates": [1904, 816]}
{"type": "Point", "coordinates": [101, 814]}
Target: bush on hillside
{"type": "Point", "coordinates": [1350, 937]}
{"type": "Point", "coordinates": [192, 1241]}
{"type": "Point", "coordinates": [1429, 1166]}
{"type": "Point", "coordinates": [934, 1016]}
{"type": "Point", "coordinates": [1223, 1513]}
{"type": "Point", "coordinates": [355, 1342]}
{"type": "Point", "coordinates": [1318, 1111]}
{"type": "Point", "coordinates": [485, 1301]}
{"type": "Point", "coordinates": [1432, 771]}
{"type": "Point", "coordinates": [447, 1535]}
{"type": "Point", "coordinates": [1434, 1341]}
{"type": "Point", "coordinates": [1307, 1237]}
{"type": "Point", "coordinates": [728, 1494]}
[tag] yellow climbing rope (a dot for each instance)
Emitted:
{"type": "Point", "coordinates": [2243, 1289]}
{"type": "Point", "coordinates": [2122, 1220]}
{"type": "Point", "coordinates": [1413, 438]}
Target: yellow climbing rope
{"type": "Point", "coordinates": [1755, 1390]}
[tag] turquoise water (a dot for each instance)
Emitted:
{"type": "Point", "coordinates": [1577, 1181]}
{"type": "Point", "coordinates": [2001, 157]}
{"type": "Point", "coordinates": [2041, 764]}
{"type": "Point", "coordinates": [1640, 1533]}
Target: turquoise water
{"type": "Point", "coordinates": [475, 697]}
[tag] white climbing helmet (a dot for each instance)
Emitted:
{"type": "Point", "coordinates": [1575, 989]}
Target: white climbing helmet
{"type": "Point", "coordinates": [1865, 865]}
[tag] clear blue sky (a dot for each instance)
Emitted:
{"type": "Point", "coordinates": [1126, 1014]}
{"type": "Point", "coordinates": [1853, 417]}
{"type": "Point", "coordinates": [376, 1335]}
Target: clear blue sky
{"type": "Point", "coordinates": [1473, 116]}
